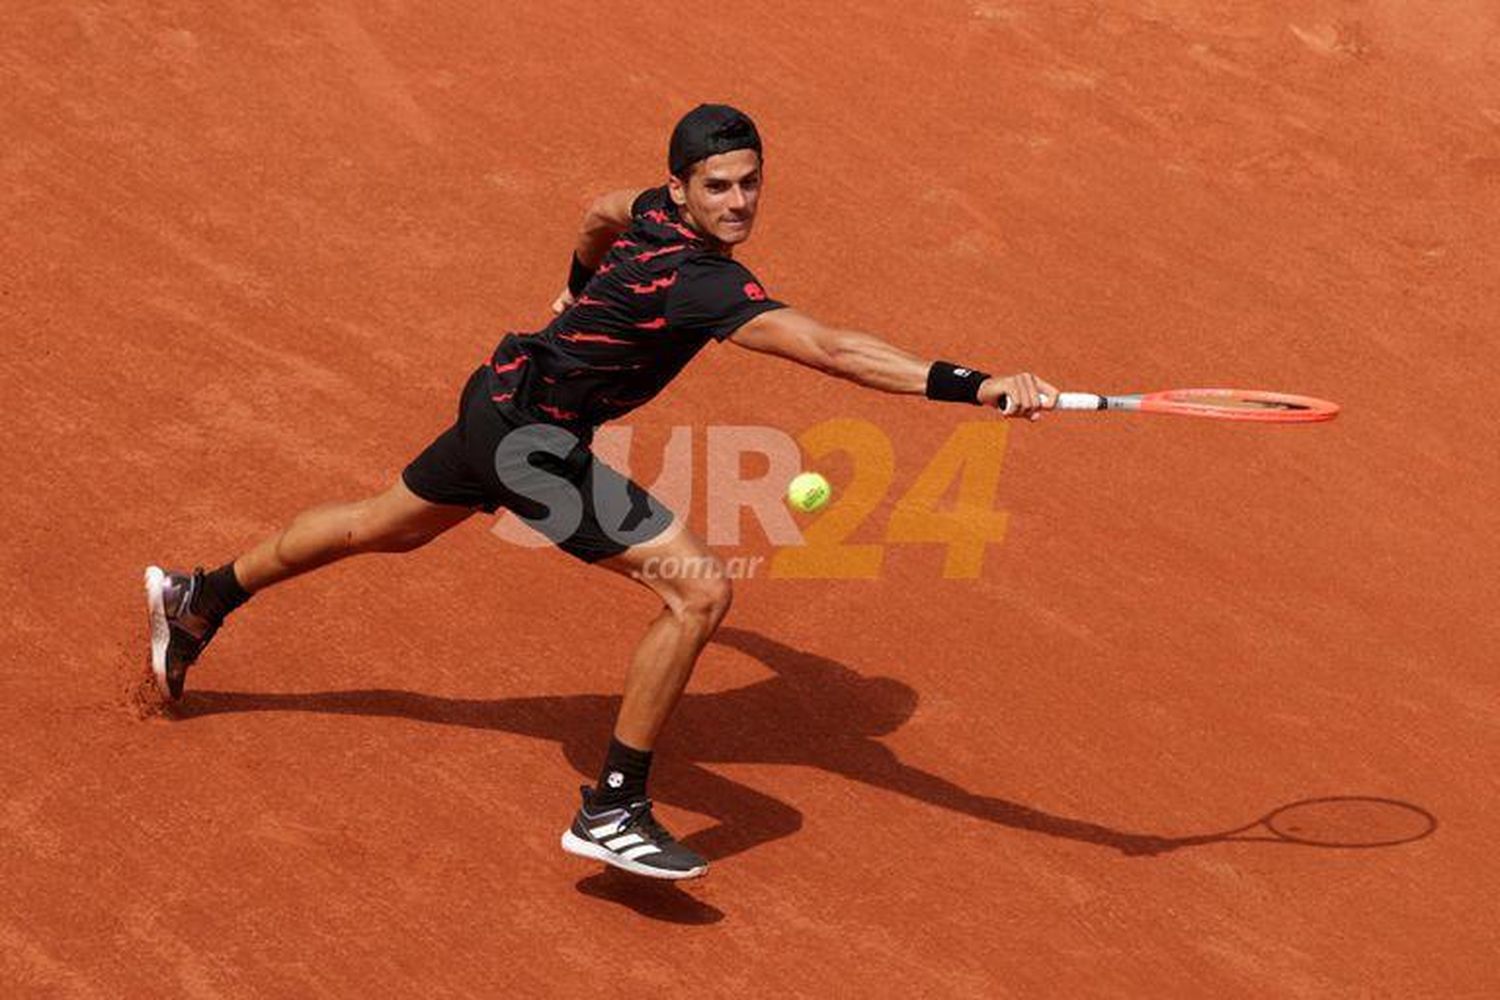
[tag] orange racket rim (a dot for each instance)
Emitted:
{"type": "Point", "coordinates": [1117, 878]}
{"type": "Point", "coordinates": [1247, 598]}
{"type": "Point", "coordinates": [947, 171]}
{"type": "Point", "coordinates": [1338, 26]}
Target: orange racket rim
{"type": "Point", "coordinates": [1240, 404]}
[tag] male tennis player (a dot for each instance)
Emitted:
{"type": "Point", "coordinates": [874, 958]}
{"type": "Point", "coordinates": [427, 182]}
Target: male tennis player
{"type": "Point", "coordinates": [653, 280]}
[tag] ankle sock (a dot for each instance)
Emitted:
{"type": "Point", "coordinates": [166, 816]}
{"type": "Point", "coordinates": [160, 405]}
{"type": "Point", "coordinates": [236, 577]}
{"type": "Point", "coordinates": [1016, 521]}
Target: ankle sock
{"type": "Point", "coordinates": [623, 778]}
{"type": "Point", "coordinates": [221, 594]}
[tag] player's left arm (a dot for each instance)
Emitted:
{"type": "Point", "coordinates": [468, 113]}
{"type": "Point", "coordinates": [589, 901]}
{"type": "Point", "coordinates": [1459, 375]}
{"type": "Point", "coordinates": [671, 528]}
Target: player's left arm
{"type": "Point", "coordinates": [606, 218]}
{"type": "Point", "coordinates": [867, 360]}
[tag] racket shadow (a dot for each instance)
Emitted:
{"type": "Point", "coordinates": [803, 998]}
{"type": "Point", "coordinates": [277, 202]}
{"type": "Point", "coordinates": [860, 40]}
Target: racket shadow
{"type": "Point", "coordinates": [812, 712]}
{"type": "Point", "coordinates": [1343, 822]}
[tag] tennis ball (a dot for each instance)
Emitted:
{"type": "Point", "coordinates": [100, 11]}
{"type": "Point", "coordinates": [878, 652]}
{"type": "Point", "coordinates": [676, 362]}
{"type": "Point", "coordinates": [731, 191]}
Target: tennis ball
{"type": "Point", "coordinates": [808, 491]}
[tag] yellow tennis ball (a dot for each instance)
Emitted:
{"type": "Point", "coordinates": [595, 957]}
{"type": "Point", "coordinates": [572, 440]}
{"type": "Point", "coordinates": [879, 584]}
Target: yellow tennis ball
{"type": "Point", "coordinates": [808, 491]}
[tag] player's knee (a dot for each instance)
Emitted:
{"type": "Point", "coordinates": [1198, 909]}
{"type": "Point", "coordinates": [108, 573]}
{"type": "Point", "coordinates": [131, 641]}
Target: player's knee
{"type": "Point", "coordinates": [707, 597]}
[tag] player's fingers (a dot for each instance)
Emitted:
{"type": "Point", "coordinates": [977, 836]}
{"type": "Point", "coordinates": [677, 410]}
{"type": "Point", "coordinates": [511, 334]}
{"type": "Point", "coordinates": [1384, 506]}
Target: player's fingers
{"type": "Point", "coordinates": [1019, 398]}
{"type": "Point", "coordinates": [1028, 394]}
{"type": "Point", "coordinates": [1049, 393]}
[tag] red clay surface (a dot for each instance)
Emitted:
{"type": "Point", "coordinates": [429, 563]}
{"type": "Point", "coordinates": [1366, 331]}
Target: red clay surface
{"type": "Point", "coordinates": [250, 253]}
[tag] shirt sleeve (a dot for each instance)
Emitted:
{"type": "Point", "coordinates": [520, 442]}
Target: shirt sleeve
{"type": "Point", "coordinates": [715, 296]}
{"type": "Point", "coordinates": [648, 199]}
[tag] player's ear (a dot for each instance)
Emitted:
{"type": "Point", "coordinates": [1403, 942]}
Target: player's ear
{"type": "Point", "coordinates": [677, 189]}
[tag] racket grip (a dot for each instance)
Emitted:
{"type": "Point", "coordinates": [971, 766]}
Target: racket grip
{"type": "Point", "coordinates": [1079, 401]}
{"type": "Point", "coordinates": [1065, 401]}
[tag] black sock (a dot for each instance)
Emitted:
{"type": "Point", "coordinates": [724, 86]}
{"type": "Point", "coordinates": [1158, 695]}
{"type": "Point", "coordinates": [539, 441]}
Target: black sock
{"type": "Point", "coordinates": [624, 776]}
{"type": "Point", "coordinates": [220, 595]}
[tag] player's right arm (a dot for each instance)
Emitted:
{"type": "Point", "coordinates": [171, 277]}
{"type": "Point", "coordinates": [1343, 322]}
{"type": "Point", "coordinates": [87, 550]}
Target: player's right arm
{"type": "Point", "coordinates": [607, 217]}
{"type": "Point", "coordinates": [867, 360]}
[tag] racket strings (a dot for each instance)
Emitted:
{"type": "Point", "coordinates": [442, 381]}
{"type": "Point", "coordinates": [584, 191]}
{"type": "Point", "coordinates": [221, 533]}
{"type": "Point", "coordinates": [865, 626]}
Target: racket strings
{"type": "Point", "coordinates": [1240, 404]}
{"type": "Point", "coordinates": [1245, 402]}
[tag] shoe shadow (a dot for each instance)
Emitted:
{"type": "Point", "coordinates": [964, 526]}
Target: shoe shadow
{"type": "Point", "coordinates": [664, 901]}
{"type": "Point", "coordinates": [813, 712]}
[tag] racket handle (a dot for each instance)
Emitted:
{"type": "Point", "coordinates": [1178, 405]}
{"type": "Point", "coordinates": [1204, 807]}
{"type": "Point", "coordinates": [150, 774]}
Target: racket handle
{"type": "Point", "coordinates": [1080, 401]}
{"type": "Point", "coordinates": [1065, 401]}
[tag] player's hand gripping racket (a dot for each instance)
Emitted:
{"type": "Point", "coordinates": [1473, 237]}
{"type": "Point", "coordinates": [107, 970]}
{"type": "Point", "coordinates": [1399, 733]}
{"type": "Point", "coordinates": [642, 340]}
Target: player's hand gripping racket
{"type": "Point", "coordinates": [1216, 404]}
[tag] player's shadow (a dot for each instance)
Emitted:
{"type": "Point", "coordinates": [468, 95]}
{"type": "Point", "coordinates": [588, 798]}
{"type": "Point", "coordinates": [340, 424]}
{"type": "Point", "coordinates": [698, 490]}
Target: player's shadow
{"type": "Point", "coordinates": [813, 712]}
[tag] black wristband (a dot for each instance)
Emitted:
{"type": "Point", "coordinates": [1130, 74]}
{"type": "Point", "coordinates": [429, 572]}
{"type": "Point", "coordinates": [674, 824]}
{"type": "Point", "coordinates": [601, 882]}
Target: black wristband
{"type": "Point", "coordinates": [578, 275]}
{"type": "Point", "coordinates": [950, 383]}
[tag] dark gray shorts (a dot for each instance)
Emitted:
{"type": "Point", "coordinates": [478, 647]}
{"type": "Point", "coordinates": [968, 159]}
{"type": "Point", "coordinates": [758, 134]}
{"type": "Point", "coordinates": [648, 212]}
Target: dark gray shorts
{"type": "Point", "coordinates": [542, 472]}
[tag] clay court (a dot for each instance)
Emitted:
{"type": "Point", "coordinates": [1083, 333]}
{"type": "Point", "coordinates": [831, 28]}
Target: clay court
{"type": "Point", "coordinates": [252, 251]}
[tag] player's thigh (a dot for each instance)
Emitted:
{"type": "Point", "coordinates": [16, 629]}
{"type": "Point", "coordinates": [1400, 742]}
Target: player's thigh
{"type": "Point", "coordinates": [680, 568]}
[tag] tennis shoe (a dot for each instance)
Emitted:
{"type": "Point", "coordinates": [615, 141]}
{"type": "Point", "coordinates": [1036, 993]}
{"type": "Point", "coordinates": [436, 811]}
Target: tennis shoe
{"type": "Point", "coordinates": [178, 633]}
{"type": "Point", "coordinates": [629, 837]}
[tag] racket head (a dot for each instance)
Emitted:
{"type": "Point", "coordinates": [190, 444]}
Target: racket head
{"type": "Point", "coordinates": [1350, 821]}
{"type": "Point", "coordinates": [1239, 404]}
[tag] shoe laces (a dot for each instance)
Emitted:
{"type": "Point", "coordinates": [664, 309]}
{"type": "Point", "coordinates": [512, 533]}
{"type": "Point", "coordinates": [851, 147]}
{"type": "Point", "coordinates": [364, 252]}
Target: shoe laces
{"type": "Point", "coordinates": [638, 816]}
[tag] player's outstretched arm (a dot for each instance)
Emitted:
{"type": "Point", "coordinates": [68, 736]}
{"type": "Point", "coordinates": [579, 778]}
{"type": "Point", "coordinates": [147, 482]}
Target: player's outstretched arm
{"type": "Point", "coordinates": [607, 217]}
{"type": "Point", "coordinates": [867, 360]}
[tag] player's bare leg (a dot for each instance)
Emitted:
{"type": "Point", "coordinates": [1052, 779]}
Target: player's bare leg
{"type": "Point", "coordinates": [185, 610]}
{"type": "Point", "coordinates": [615, 824]}
{"type": "Point", "coordinates": [695, 597]}
{"type": "Point", "coordinates": [396, 520]}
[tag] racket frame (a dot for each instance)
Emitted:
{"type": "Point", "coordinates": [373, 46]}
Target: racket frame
{"type": "Point", "coordinates": [1279, 407]}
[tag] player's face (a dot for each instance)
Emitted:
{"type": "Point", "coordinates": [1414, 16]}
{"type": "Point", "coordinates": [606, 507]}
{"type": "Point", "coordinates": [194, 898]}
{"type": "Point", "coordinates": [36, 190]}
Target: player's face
{"type": "Point", "coordinates": [721, 196]}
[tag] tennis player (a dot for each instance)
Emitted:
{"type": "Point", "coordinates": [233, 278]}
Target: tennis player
{"type": "Point", "coordinates": [653, 280]}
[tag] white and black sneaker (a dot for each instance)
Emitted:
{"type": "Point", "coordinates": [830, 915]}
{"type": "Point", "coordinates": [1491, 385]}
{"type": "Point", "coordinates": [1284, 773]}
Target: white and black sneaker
{"type": "Point", "coordinates": [178, 633]}
{"type": "Point", "coordinates": [629, 837]}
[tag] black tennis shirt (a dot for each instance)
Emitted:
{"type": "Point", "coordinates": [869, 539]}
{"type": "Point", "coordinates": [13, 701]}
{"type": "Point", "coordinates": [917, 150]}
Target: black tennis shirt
{"type": "Point", "coordinates": [659, 295]}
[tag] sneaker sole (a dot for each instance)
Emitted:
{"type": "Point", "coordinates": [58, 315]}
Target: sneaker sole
{"type": "Point", "coordinates": [161, 632]}
{"type": "Point", "coordinates": [574, 844]}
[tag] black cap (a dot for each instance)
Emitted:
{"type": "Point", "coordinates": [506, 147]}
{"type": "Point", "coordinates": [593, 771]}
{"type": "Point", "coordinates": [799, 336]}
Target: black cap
{"type": "Point", "coordinates": [707, 130]}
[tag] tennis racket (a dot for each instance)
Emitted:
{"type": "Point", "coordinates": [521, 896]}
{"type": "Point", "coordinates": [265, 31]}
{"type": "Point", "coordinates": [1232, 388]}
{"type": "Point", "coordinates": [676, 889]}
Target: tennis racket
{"type": "Point", "coordinates": [1216, 404]}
